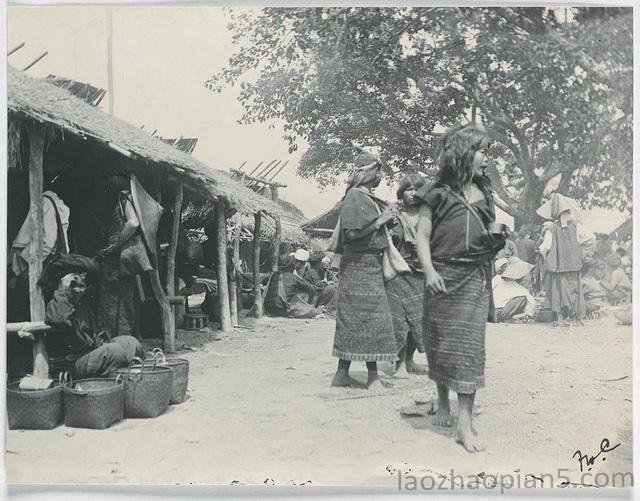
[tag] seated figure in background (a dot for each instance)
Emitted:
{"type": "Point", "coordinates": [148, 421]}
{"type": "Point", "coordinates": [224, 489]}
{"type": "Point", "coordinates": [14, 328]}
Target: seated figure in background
{"type": "Point", "coordinates": [511, 297]}
{"type": "Point", "coordinates": [617, 285]}
{"type": "Point", "coordinates": [289, 294]}
{"type": "Point", "coordinates": [316, 274]}
{"type": "Point", "coordinates": [78, 346]}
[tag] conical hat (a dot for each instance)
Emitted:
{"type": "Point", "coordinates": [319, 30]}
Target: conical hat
{"type": "Point", "coordinates": [556, 205]}
{"type": "Point", "coordinates": [149, 212]}
{"type": "Point", "coordinates": [517, 269]}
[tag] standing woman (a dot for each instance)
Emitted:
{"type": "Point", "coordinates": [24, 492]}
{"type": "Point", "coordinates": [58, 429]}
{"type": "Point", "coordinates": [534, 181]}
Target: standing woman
{"type": "Point", "coordinates": [456, 251]}
{"type": "Point", "coordinates": [406, 290]}
{"type": "Point", "coordinates": [364, 328]}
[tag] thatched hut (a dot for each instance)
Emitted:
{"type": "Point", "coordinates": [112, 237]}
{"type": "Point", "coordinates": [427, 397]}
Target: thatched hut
{"type": "Point", "coordinates": [52, 131]}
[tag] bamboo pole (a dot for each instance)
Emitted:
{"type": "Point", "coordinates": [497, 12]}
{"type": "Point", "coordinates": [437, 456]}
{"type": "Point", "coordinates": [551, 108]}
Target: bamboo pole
{"type": "Point", "coordinates": [32, 63]}
{"type": "Point", "coordinates": [278, 171]}
{"type": "Point", "coordinates": [257, 167]}
{"type": "Point", "coordinates": [257, 292]}
{"type": "Point", "coordinates": [36, 299]}
{"type": "Point", "coordinates": [16, 48]}
{"type": "Point", "coordinates": [223, 286]}
{"type": "Point", "coordinates": [233, 283]}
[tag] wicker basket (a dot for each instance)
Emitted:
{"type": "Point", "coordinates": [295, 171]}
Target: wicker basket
{"type": "Point", "coordinates": [180, 368]}
{"type": "Point", "coordinates": [93, 403]}
{"type": "Point", "coordinates": [34, 410]}
{"type": "Point", "coordinates": [147, 390]}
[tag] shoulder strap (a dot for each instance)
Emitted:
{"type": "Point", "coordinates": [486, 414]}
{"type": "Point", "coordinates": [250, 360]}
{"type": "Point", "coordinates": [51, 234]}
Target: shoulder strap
{"type": "Point", "coordinates": [464, 202]}
{"type": "Point", "coordinates": [61, 244]}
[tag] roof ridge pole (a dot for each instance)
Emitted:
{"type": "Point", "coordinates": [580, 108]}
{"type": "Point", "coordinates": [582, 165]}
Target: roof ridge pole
{"type": "Point", "coordinates": [109, 29]}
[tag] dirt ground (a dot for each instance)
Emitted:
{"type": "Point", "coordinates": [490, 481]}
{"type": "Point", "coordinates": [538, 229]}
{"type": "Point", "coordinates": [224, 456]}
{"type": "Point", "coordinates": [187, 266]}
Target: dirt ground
{"type": "Point", "coordinates": [260, 410]}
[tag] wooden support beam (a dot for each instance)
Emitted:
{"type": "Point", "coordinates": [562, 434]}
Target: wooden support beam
{"type": "Point", "coordinates": [166, 312]}
{"type": "Point", "coordinates": [235, 284]}
{"type": "Point", "coordinates": [36, 299]}
{"type": "Point", "coordinates": [275, 251]}
{"type": "Point", "coordinates": [257, 291]}
{"type": "Point", "coordinates": [173, 243]}
{"type": "Point", "coordinates": [258, 179]}
{"type": "Point", "coordinates": [223, 286]}
{"type": "Point", "coordinates": [170, 284]}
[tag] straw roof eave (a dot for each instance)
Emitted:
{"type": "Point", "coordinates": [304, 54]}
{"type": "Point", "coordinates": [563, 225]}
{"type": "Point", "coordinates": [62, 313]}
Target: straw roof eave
{"type": "Point", "coordinates": [46, 103]}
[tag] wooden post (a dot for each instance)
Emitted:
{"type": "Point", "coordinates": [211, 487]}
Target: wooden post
{"type": "Point", "coordinates": [233, 283]}
{"type": "Point", "coordinates": [36, 299]}
{"type": "Point", "coordinates": [257, 292]}
{"type": "Point", "coordinates": [170, 284]}
{"type": "Point", "coordinates": [223, 286]}
{"type": "Point", "coordinates": [166, 312]}
{"type": "Point", "coordinates": [173, 243]}
{"type": "Point", "coordinates": [275, 252]}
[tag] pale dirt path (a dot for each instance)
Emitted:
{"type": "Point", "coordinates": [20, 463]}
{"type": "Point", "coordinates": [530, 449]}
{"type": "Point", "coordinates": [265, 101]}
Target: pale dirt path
{"type": "Point", "coordinates": [261, 408]}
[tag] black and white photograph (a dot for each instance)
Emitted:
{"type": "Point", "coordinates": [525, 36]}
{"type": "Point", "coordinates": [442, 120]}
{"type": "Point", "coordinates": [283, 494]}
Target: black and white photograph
{"type": "Point", "coordinates": [301, 247]}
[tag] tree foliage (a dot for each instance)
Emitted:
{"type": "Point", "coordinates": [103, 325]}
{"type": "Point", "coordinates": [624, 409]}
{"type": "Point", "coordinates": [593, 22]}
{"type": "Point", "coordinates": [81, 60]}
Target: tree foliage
{"type": "Point", "coordinates": [554, 89]}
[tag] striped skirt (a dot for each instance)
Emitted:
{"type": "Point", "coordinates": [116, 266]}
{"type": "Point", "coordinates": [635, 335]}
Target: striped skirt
{"type": "Point", "coordinates": [364, 328]}
{"type": "Point", "coordinates": [406, 300]}
{"type": "Point", "coordinates": [454, 328]}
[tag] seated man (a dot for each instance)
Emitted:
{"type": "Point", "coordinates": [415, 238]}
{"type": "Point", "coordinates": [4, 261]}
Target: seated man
{"type": "Point", "coordinates": [617, 285]}
{"type": "Point", "coordinates": [316, 274]}
{"type": "Point", "coordinates": [289, 294]}
{"type": "Point", "coordinates": [510, 297]}
{"type": "Point", "coordinates": [77, 346]}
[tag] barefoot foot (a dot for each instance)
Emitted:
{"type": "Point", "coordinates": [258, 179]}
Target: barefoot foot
{"type": "Point", "coordinates": [465, 436]}
{"type": "Point", "coordinates": [401, 373]}
{"type": "Point", "coordinates": [414, 368]}
{"type": "Point", "coordinates": [442, 417]}
{"type": "Point", "coordinates": [344, 380]}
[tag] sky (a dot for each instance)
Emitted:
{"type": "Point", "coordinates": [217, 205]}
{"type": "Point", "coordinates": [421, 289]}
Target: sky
{"type": "Point", "coordinates": [162, 57]}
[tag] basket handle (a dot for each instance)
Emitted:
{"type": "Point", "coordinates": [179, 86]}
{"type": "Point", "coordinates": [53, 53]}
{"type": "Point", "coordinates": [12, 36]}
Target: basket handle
{"type": "Point", "coordinates": [136, 361]}
{"type": "Point", "coordinates": [64, 378]}
{"type": "Point", "coordinates": [157, 353]}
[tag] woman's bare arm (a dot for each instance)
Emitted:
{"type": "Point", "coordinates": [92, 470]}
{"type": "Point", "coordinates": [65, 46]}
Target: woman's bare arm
{"type": "Point", "coordinates": [433, 280]}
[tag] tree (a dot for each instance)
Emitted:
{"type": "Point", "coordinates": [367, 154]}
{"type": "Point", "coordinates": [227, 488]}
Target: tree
{"type": "Point", "coordinates": [553, 89]}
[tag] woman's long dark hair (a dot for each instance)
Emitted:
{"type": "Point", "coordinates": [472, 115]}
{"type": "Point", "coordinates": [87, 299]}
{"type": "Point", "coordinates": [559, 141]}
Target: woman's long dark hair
{"type": "Point", "coordinates": [457, 149]}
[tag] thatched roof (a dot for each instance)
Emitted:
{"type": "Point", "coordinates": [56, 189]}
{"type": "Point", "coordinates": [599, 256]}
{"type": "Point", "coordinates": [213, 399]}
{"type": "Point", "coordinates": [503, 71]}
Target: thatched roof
{"type": "Point", "coordinates": [49, 104]}
{"type": "Point", "coordinates": [322, 226]}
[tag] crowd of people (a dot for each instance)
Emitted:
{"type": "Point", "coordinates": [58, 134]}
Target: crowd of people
{"type": "Point", "coordinates": [426, 272]}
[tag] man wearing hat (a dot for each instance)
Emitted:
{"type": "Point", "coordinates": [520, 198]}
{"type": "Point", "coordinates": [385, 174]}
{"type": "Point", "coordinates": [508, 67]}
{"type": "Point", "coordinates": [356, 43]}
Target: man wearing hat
{"type": "Point", "coordinates": [510, 297]}
{"type": "Point", "coordinates": [562, 253]}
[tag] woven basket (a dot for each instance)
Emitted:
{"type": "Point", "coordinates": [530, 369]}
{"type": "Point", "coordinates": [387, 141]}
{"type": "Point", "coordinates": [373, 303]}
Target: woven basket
{"type": "Point", "coordinates": [180, 368]}
{"type": "Point", "coordinates": [147, 390]}
{"type": "Point", "coordinates": [93, 403]}
{"type": "Point", "coordinates": [34, 410]}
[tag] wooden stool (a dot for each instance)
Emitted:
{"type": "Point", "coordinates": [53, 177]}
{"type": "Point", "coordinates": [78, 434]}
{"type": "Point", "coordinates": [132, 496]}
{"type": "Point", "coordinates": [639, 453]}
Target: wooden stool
{"type": "Point", "coordinates": [195, 321]}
